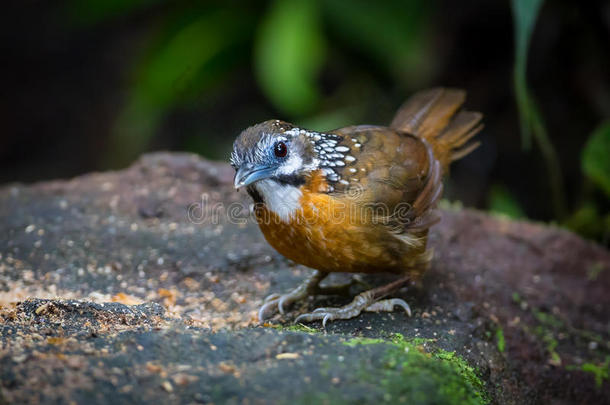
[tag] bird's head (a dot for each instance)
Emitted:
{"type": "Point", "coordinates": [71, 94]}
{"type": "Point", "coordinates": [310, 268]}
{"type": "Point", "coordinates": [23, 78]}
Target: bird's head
{"type": "Point", "coordinates": [274, 158]}
{"type": "Point", "coordinates": [273, 150]}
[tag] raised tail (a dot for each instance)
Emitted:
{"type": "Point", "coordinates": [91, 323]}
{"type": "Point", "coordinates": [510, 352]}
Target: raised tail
{"type": "Point", "coordinates": [435, 116]}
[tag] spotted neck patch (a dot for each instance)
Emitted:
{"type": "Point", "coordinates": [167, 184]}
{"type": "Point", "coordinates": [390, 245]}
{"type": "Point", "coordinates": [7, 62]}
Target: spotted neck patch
{"type": "Point", "coordinates": [330, 154]}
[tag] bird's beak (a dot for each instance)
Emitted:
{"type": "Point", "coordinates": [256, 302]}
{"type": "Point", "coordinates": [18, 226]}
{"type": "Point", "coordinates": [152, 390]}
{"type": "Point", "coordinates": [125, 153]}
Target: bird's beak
{"type": "Point", "coordinates": [249, 174]}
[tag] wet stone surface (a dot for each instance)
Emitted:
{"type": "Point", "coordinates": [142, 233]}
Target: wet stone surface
{"type": "Point", "coordinates": [135, 287]}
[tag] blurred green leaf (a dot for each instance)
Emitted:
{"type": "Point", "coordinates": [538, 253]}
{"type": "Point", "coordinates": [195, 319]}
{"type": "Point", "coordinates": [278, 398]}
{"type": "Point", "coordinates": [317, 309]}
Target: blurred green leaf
{"type": "Point", "coordinates": [289, 53]}
{"type": "Point", "coordinates": [596, 157]}
{"type": "Point", "coordinates": [525, 13]}
{"type": "Point", "coordinates": [170, 74]}
{"type": "Point", "coordinates": [502, 201]}
{"type": "Point", "coordinates": [392, 34]}
{"type": "Point", "coordinates": [330, 120]}
{"type": "Point", "coordinates": [587, 221]}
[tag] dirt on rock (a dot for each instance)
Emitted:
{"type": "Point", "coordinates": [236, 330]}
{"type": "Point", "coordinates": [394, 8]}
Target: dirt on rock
{"type": "Point", "coordinates": [143, 285]}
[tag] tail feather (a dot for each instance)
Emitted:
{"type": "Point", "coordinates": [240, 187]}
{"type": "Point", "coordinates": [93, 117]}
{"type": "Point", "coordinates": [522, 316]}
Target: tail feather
{"type": "Point", "coordinates": [461, 152]}
{"type": "Point", "coordinates": [434, 116]}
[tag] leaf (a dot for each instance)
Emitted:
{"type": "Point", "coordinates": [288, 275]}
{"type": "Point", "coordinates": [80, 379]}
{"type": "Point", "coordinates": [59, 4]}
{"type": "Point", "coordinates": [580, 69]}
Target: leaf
{"type": "Point", "coordinates": [330, 120]}
{"type": "Point", "coordinates": [289, 52]}
{"type": "Point", "coordinates": [587, 221]}
{"type": "Point", "coordinates": [170, 74]}
{"type": "Point", "coordinates": [502, 201]}
{"type": "Point", "coordinates": [392, 34]}
{"type": "Point", "coordinates": [525, 13]}
{"type": "Point", "coordinates": [524, 19]}
{"type": "Point", "coordinates": [596, 157]}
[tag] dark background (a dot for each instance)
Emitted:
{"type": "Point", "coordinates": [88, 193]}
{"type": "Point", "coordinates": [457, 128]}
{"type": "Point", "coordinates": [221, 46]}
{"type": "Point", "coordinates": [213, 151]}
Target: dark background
{"type": "Point", "coordinates": [92, 85]}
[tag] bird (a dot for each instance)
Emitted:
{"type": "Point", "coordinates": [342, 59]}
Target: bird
{"type": "Point", "coordinates": [358, 199]}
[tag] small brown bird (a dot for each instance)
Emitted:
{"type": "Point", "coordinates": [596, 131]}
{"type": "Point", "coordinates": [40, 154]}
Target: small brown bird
{"type": "Point", "coordinates": [358, 199]}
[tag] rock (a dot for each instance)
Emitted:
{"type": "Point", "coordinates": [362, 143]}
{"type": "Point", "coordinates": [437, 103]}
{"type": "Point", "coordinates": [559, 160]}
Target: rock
{"type": "Point", "coordinates": [142, 285]}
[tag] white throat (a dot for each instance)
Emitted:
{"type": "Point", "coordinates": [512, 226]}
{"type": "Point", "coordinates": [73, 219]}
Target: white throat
{"type": "Point", "coordinates": [281, 199]}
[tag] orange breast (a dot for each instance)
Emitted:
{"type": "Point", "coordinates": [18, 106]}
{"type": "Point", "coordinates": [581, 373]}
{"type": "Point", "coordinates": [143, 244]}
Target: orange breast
{"type": "Point", "coordinates": [333, 235]}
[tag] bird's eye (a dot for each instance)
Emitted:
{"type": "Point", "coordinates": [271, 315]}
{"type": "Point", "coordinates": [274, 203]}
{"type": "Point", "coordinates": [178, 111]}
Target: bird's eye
{"type": "Point", "coordinates": [280, 149]}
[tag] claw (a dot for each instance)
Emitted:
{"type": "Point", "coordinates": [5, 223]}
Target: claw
{"type": "Point", "coordinates": [403, 305]}
{"type": "Point", "coordinates": [274, 300]}
{"type": "Point", "coordinates": [388, 306]}
{"type": "Point", "coordinates": [304, 318]}
{"type": "Point", "coordinates": [323, 314]}
{"type": "Point", "coordinates": [277, 302]}
{"type": "Point", "coordinates": [281, 302]}
{"type": "Point", "coordinates": [271, 297]}
{"type": "Point", "coordinates": [327, 317]}
{"type": "Point", "coordinates": [263, 310]}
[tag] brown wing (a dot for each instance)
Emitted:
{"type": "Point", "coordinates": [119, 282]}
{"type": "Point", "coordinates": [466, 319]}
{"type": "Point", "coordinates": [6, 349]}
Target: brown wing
{"type": "Point", "coordinates": [401, 167]}
{"type": "Point", "coordinates": [392, 170]}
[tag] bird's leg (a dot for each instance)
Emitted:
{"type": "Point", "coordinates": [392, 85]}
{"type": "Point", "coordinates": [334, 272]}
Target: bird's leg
{"type": "Point", "coordinates": [276, 302]}
{"type": "Point", "coordinates": [366, 301]}
{"type": "Point", "coordinates": [341, 289]}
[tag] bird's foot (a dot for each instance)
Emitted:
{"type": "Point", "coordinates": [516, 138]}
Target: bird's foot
{"type": "Point", "coordinates": [276, 302]}
{"type": "Point", "coordinates": [362, 302]}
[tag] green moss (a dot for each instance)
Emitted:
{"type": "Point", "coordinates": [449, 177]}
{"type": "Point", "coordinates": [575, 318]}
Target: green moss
{"type": "Point", "coordinates": [548, 339]}
{"type": "Point", "coordinates": [295, 328]}
{"type": "Point", "coordinates": [549, 326]}
{"type": "Point", "coordinates": [500, 339]}
{"type": "Point", "coordinates": [548, 319]}
{"type": "Point", "coordinates": [600, 372]}
{"type": "Point", "coordinates": [398, 338]}
{"type": "Point", "coordinates": [363, 341]}
{"type": "Point", "coordinates": [415, 373]}
{"type": "Point", "coordinates": [594, 270]}
{"type": "Point", "coordinates": [588, 335]}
